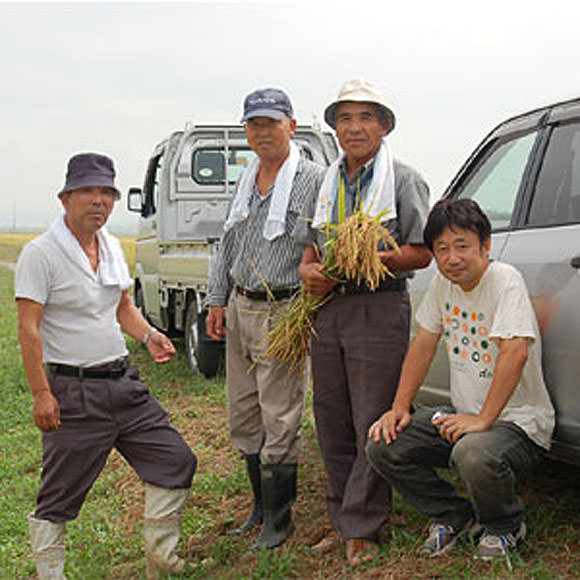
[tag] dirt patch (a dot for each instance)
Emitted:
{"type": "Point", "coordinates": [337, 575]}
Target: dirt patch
{"type": "Point", "coordinates": [551, 490]}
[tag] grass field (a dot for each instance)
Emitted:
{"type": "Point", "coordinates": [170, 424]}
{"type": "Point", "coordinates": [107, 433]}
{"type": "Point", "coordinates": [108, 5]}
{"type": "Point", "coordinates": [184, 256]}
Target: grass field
{"type": "Point", "coordinates": [105, 541]}
{"type": "Point", "coordinates": [11, 244]}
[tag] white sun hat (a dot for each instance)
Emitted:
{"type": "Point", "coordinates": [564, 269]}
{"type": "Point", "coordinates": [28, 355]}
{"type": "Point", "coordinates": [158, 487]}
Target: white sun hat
{"type": "Point", "coordinates": [359, 91]}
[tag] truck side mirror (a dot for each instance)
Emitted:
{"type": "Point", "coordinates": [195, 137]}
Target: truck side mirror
{"type": "Point", "coordinates": [134, 200]}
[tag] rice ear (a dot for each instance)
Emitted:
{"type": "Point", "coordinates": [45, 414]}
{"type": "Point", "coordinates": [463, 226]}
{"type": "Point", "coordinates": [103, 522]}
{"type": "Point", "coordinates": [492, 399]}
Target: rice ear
{"type": "Point", "coordinates": [356, 249]}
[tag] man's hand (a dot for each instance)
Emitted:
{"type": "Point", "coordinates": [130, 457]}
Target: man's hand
{"type": "Point", "coordinates": [407, 257]}
{"type": "Point", "coordinates": [389, 425]}
{"type": "Point", "coordinates": [315, 280]}
{"type": "Point", "coordinates": [160, 347]}
{"type": "Point", "coordinates": [215, 322]}
{"type": "Point", "coordinates": [453, 427]}
{"type": "Point", "coordinates": [46, 411]}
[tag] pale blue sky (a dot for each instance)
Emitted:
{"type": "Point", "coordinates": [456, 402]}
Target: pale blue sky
{"type": "Point", "coordinates": [117, 78]}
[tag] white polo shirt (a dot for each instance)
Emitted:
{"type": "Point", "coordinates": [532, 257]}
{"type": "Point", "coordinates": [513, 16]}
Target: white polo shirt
{"type": "Point", "coordinates": [79, 319]}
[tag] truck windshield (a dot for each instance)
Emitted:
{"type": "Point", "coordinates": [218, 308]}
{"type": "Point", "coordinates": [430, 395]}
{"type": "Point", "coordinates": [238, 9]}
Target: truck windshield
{"type": "Point", "coordinates": [209, 164]}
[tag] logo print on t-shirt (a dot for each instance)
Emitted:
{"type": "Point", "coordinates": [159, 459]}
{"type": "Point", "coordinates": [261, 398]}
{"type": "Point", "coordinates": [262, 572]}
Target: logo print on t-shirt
{"type": "Point", "coordinates": [466, 336]}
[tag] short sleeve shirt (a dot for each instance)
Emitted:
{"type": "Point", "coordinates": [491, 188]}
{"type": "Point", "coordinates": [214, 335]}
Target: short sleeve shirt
{"type": "Point", "coordinates": [470, 324]}
{"type": "Point", "coordinates": [79, 318]}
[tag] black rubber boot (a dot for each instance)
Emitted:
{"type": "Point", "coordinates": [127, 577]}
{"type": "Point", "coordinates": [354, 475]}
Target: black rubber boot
{"type": "Point", "coordinates": [278, 495]}
{"type": "Point", "coordinates": [255, 518]}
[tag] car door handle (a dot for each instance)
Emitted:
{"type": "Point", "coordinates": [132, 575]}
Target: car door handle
{"type": "Point", "coordinates": [575, 262]}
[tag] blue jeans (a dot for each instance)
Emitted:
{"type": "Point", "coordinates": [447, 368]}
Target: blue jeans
{"type": "Point", "coordinates": [487, 462]}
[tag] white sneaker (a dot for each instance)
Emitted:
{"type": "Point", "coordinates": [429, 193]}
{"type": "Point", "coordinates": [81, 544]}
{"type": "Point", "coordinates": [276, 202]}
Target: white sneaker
{"type": "Point", "coordinates": [492, 547]}
{"type": "Point", "coordinates": [441, 539]}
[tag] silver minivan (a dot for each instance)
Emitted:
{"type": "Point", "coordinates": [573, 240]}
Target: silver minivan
{"type": "Point", "coordinates": [526, 176]}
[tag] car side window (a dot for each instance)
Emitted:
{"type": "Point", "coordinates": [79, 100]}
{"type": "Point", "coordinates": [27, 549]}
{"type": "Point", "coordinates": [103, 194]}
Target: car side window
{"type": "Point", "coordinates": [556, 198]}
{"type": "Point", "coordinates": [496, 181]}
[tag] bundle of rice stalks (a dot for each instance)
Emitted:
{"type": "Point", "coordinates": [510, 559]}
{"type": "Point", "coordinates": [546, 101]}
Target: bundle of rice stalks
{"type": "Point", "coordinates": [288, 339]}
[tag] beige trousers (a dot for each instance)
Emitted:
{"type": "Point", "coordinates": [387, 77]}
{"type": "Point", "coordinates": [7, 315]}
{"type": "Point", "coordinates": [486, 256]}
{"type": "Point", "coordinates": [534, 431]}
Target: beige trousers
{"type": "Point", "coordinates": [265, 401]}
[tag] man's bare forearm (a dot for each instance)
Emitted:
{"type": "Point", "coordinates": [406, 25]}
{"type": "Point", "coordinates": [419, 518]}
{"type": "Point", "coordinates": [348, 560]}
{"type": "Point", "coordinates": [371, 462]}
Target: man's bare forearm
{"type": "Point", "coordinates": [130, 318]}
{"type": "Point", "coordinates": [32, 360]}
{"type": "Point", "coordinates": [410, 257]}
{"type": "Point", "coordinates": [507, 372]}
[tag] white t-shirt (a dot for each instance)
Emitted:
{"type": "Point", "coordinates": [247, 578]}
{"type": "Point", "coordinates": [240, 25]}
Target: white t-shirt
{"type": "Point", "coordinates": [470, 323]}
{"type": "Point", "coordinates": [79, 319]}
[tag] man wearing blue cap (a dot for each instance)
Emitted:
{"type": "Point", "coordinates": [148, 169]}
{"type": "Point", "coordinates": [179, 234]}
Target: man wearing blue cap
{"type": "Point", "coordinates": [261, 247]}
{"type": "Point", "coordinates": [72, 289]}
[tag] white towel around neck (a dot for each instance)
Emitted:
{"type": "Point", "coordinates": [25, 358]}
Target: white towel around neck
{"type": "Point", "coordinates": [275, 224]}
{"type": "Point", "coordinates": [112, 270]}
{"type": "Point", "coordinates": [380, 194]}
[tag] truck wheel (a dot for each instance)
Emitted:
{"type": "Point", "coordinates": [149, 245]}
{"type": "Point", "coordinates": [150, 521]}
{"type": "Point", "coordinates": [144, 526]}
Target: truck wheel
{"type": "Point", "coordinates": [203, 353]}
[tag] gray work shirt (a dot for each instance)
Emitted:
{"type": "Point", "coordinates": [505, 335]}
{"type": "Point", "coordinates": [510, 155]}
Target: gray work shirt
{"type": "Point", "coordinates": [411, 199]}
{"type": "Point", "coordinates": [245, 258]}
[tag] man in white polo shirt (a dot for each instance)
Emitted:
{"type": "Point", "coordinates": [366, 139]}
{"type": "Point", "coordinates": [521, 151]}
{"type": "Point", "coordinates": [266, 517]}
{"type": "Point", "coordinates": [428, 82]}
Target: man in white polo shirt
{"type": "Point", "coordinates": [72, 291]}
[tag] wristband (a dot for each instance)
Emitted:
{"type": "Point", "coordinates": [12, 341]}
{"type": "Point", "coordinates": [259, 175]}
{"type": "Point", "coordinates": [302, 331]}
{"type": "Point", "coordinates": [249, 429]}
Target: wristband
{"type": "Point", "coordinates": [147, 336]}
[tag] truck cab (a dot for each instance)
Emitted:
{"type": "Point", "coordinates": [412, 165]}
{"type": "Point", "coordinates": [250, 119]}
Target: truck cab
{"type": "Point", "coordinates": [189, 184]}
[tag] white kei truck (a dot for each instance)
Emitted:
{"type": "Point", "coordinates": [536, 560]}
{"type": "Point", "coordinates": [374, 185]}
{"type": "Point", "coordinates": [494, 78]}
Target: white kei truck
{"type": "Point", "coordinates": [189, 184]}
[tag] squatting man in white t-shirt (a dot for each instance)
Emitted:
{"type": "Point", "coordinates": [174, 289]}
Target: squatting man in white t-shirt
{"type": "Point", "coordinates": [72, 289]}
{"type": "Point", "coordinates": [501, 419]}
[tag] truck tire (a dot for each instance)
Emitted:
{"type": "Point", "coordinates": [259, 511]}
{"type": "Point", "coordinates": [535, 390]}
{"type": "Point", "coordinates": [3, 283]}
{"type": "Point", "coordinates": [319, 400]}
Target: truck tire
{"type": "Point", "coordinates": [203, 353]}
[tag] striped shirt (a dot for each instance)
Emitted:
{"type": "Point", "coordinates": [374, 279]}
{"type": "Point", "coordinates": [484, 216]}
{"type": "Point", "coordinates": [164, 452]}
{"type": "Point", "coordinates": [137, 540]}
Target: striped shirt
{"type": "Point", "coordinates": [245, 258]}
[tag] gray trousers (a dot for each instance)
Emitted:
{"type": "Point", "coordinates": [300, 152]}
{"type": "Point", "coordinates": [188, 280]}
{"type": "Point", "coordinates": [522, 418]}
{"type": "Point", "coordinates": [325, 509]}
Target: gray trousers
{"type": "Point", "coordinates": [265, 401]}
{"type": "Point", "coordinates": [98, 415]}
{"type": "Point", "coordinates": [357, 352]}
{"type": "Point", "coordinates": [487, 462]}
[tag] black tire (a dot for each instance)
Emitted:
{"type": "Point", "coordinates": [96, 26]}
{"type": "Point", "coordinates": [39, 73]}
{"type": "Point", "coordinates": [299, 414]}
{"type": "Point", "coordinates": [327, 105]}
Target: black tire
{"type": "Point", "coordinates": [203, 354]}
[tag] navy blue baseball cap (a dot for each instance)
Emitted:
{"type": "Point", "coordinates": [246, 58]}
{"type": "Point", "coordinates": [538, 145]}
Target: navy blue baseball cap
{"type": "Point", "coordinates": [271, 103]}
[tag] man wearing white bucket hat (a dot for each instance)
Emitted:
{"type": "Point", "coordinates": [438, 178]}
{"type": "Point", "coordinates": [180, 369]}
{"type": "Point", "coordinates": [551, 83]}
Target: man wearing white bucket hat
{"type": "Point", "coordinates": [360, 337]}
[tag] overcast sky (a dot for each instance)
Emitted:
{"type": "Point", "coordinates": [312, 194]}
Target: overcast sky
{"type": "Point", "coordinates": [117, 78]}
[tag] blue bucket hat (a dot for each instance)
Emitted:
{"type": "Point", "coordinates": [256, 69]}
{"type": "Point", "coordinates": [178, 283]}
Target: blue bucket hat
{"type": "Point", "coordinates": [271, 103]}
{"type": "Point", "coordinates": [90, 170]}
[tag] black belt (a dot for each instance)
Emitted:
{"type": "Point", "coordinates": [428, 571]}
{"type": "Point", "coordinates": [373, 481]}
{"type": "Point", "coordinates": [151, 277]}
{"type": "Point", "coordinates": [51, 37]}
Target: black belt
{"type": "Point", "coordinates": [276, 294]}
{"type": "Point", "coordinates": [387, 285]}
{"type": "Point", "coordinates": [104, 372]}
